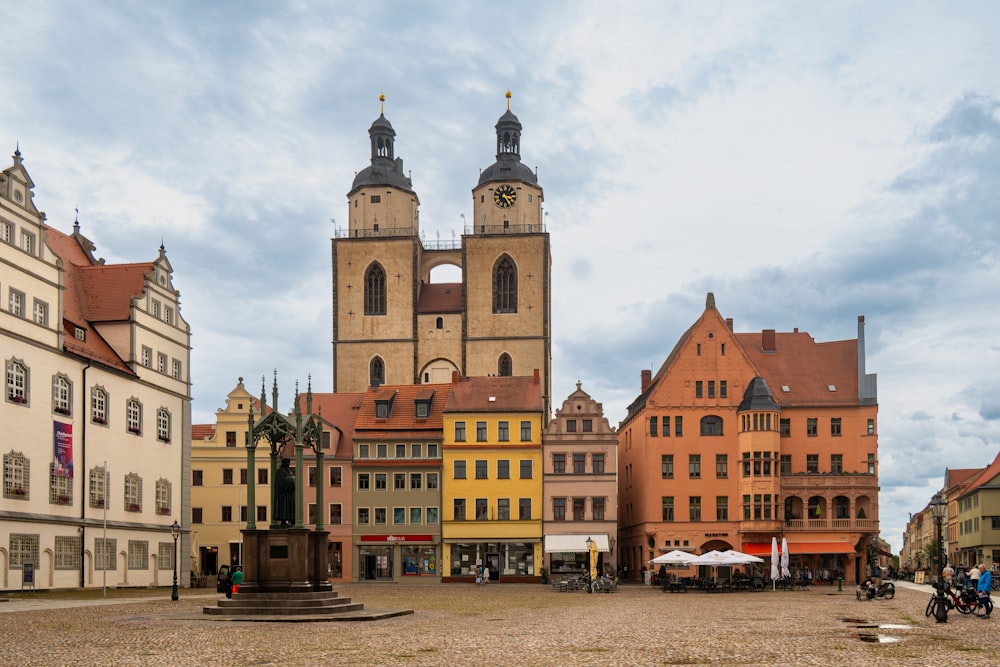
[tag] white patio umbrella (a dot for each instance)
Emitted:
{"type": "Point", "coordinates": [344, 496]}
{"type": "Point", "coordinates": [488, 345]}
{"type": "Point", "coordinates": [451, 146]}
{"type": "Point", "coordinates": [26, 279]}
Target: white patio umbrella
{"type": "Point", "coordinates": [775, 572]}
{"type": "Point", "coordinates": [785, 572]}
{"type": "Point", "coordinates": [675, 557]}
{"type": "Point", "coordinates": [740, 558]}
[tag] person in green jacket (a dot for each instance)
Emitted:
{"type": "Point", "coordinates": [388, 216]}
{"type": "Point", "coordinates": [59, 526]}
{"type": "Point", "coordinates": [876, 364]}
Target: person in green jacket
{"type": "Point", "coordinates": [237, 578]}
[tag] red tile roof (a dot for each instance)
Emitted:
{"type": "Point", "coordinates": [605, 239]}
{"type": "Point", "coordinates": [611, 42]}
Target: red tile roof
{"type": "Point", "coordinates": [201, 431]}
{"type": "Point", "coordinates": [988, 475]}
{"type": "Point", "coordinates": [495, 394]}
{"type": "Point", "coordinates": [440, 298]}
{"type": "Point", "coordinates": [339, 410]}
{"type": "Point", "coordinates": [403, 415]}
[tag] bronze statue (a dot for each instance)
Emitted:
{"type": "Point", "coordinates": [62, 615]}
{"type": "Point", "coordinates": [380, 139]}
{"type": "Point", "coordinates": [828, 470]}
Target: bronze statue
{"type": "Point", "coordinates": [284, 495]}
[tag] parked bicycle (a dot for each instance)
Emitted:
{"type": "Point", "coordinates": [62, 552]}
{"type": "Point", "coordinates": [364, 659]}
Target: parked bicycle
{"type": "Point", "coordinates": [963, 600]}
{"type": "Point", "coordinates": [869, 591]}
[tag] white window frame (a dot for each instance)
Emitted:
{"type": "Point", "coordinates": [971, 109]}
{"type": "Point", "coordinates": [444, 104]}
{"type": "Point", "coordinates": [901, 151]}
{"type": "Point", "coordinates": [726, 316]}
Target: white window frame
{"type": "Point", "coordinates": [15, 302]}
{"type": "Point", "coordinates": [18, 376]}
{"type": "Point", "coordinates": [133, 493]}
{"type": "Point", "coordinates": [163, 425]}
{"type": "Point", "coordinates": [138, 555]}
{"type": "Point", "coordinates": [62, 394]}
{"type": "Point", "coordinates": [40, 313]}
{"type": "Point", "coordinates": [99, 405]}
{"type": "Point", "coordinates": [27, 242]}
{"type": "Point", "coordinates": [99, 487]}
{"type": "Point", "coordinates": [133, 416]}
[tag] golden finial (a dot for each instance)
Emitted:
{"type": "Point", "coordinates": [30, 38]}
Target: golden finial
{"type": "Point", "coordinates": [381, 106]}
{"type": "Point", "coordinates": [507, 95]}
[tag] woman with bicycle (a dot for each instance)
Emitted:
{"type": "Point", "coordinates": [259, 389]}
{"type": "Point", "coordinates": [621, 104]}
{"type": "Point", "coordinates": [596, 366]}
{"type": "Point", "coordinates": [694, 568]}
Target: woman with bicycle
{"type": "Point", "coordinates": [985, 583]}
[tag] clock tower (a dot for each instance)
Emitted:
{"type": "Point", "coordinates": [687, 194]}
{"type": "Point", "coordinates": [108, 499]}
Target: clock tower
{"type": "Point", "coordinates": [392, 325]}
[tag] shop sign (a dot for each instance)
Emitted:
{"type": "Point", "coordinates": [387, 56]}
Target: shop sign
{"type": "Point", "coordinates": [397, 538]}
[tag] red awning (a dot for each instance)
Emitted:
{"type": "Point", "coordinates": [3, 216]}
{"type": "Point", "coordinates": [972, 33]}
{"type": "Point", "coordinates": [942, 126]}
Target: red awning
{"type": "Point", "coordinates": [764, 548]}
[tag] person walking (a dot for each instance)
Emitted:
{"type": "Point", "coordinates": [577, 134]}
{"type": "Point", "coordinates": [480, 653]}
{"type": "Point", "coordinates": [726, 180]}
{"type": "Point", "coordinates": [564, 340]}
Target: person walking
{"type": "Point", "coordinates": [985, 582]}
{"type": "Point", "coordinates": [237, 579]}
{"type": "Point", "coordinates": [949, 574]}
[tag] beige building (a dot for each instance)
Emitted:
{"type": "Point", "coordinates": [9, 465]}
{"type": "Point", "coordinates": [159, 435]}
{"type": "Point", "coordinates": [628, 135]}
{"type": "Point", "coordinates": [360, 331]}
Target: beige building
{"type": "Point", "coordinates": [393, 325]}
{"type": "Point", "coordinates": [96, 408]}
{"type": "Point", "coordinates": [580, 486]}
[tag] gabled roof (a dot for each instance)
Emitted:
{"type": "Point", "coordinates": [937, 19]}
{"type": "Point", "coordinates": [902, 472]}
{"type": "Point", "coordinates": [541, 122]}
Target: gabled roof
{"type": "Point", "coordinates": [201, 431]}
{"type": "Point", "coordinates": [403, 416]}
{"type": "Point", "coordinates": [340, 411]}
{"type": "Point", "coordinates": [439, 298]}
{"type": "Point", "coordinates": [495, 394]}
{"type": "Point", "coordinates": [989, 477]}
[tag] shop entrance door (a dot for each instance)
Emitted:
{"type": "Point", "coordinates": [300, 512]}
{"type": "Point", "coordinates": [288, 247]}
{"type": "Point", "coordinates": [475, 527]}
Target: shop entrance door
{"type": "Point", "coordinates": [493, 562]}
{"type": "Point", "coordinates": [369, 566]}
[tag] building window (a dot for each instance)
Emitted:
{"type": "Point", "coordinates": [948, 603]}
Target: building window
{"type": "Point", "coordinates": [41, 313]}
{"type": "Point", "coordinates": [524, 509]}
{"type": "Point", "coordinates": [17, 382]}
{"type": "Point", "coordinates": [835, 427]}
{"type": "Point", "coordinates": [416, 451]}
{"type": "Point", "coordinates": [67, 553]}
{"type": "Point", "coordinates": [133, 493]}
{"type": "Point", "coordinates": [363, 514]}
{"type": "Point", "coordinates": [812, 463]}
{"type": "Point", "coordinates": [381, 481]}
{"type": "Point", "coordinates": [164, 494]}
{"type": "Point", "coordinates": [165, 556]}
{"type": "Point", "coordinates": [15, 303]}
{"type": "Point", "coordinates": [666, 426]}
{"type": "Point", "coordinates": [694, 508]}
{"type": "Point", "coordinates": [597, 462]}
{"type": "Point", "coordinates": [146, 357]}
{"type": "Point", "coordinates": [23, 549]}
{"type": "Point", "coordinates": [504, 286]}
{"type": "Point", "coordinates": [836, 463]}
{"type": "Point", "coordinates": [694, 466]}
{"type": "Point", "coordinates": [262, 475]}
{"type": "Point", "coordinates": [667, 466]}
{"type": "Point", "coordinates": [261, 513]}
{"type": "Point", "coordinates": [723, 389]}
{"type": "Point", "coordinates": [156, 309]}
{"type": "Point", "coordinates": [785, 426]}
{"type": "Point", "coordinates": [161, 363]}
{"type": "Point", "coordinates": [422, 409]}
{"type": "Point", "coordinates": [4, 231]}
{"type": "Point", "coordinates": [505, 366]}
{"type": "Point", "coordinates": [163, 425]}
{"type": "Point", "coordinates": [481, 469]}
{"type": "Point", "coordinates": [336, 514]}
{"type": "Point", "coordinates": [480, 431]}
{"type": "Point", "coordinates": [227, 476]}
{"type": "Point", "coordinates": [871, 464]}
{"type": "Point", "coordinates": [138, 555]}
{"type": "Point", "coordinates": [559, 463]}
{"type": "Point", "coordinates": [99, 406]}
{"type": "Point", "coordinates": [60, 486]}
{"type": "Point", "coordinates": [571, 426]}
{"type": "Point", "coordinates": [579, 464]}
{"type": "Point", "coordinates": [459, 469]}
{"type": "Point", "coordinates": [697, 389]}
{"type": "Point", "coordinates": [399, 516]}
{"type": "Point", "coordinates": [654, 426]}
{"type": "Point", "coordinates": [481, 509]}
{"type": "Point", "coordinates": [559, 509]}
{"type": "Point", "coordinates": [375, 290]}
{"type": "Point", "coordinates": [588, 425]}
{"type": "Point", "coordinates": [383, 450]}
{"type": "Point", "coordinates": [175, 369]}
{"type": "Point", "coordinates": [432, 516]}
{"type": "Point", "coordinates": [597, 506]}
{"type": "Point", "coordinates": [786, 464]}
{"type": "Point", "coordinates": [168, 314]}
{"type": "Point", "coordinates": [432, 481]}
{"type": "Point", "coordinates": [746, 508]}
{"type": "Point", "coordinates": [711, 425]}
{"type": "Point", "coordinates": [197, 478]}
{"type": "Point", "coordinates": [503, 509]}
{"type": "Point", "coordinates": [400, 450]}
{"type": "Point", "coordinates": [416, 481]}
{"type": "Point", "coordinates": [104, 553]}
{"type": "Point", "coordinates": [336, 476]}
{"type": "Point", "coordinates": [721, 466]}
{"type": "Point", "coordinates": [133, 416]}
{"type": "Point", "coordinates": [711, 388]}
{"type": "Point", "coordinates": [871, 427]}
{"type": "Point", "coordinates": [381, 516]}
{"type": "Point", "coordinates": [376, 373]}
{"type": "Point", "coordinates": [526, 469]}
{"type": "Point", "coordinates": [459, 431]}
{"type": "Point", "coordinates": [458, 507]}
{"type": "Point", "coordinates": [526, 431]}
{"type": "Point", "coordinates": [722, 508]}
{"type": "Point", "coordinates": [364, 481]}
{"type": "Point", "coordinates": [678, 426]}
{"type": "Point", "coordinates": [503, 431]}
{"type": "Point", "coordinates": [667, 508]}
{"type": "Point", "coordinates": [62, 395]}
{"type": "Point", "coordinates": [811, 427]}
{"type": "Point", "coordinates": [98, 487]}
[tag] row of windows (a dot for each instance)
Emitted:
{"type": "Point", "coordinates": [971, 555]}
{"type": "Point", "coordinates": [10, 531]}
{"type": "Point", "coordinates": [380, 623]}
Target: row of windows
{"type": "Point", "coordinates": [503, 431]}
{"type": "Point", "coordinates": [579, 463]}
{"type": "Point", "coordinates": [146, 359]}
{"type": "Point", "coordinates": [401, 481]}
{"type": "Point", "coordinates": [699, 387]}
{"type": "Point", "coordinates": [401, 516]}
{"type": "Point", "coordinates": [17, 486]}
{"type": "Point", "coordinates": [376, 378]}
{"type": "Point", "coordinates": [761, 506]}
{"type": "Point", "coordinates": [579, 508]}
{"type": "Point", "coordinates": [400, 450]}
{"type": "Point", "coordinates": [483, 512]}
{"type": "Point", "coordinates": [525, 469]}
{"type": "Point", "coordinates": [26, 241]}
{"type": "Point", "coordinates": [762, 464]}
{"type": "Point", "coordinates": [168, 311]}
{"type": "Point", "coordinates": [19, 392]}
{"type": "Point", "coordinates": [712, 425]}
{"type": "Point", "coordinates": [17, 305]}
{"type": "Point", "coordinates": [24, 548]}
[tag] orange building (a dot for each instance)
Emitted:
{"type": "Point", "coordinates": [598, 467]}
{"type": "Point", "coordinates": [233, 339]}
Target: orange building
{"type": "Point", "coordinates": [741, 437]}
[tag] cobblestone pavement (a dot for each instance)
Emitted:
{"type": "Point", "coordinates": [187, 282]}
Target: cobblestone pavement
{"type": "Point", "coordinates": [503, 624]}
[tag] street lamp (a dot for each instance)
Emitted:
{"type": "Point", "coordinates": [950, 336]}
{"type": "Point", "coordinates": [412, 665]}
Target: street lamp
{"type": "Point", "coordinates": [175, 531]}
{"type": "Point", "coordinates": [939, 508]}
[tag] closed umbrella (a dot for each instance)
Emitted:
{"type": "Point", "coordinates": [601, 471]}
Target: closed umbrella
{"type": "Point", "coordinates": [785, 572]}
{"type": "Point", "coordinates": [775, 572]}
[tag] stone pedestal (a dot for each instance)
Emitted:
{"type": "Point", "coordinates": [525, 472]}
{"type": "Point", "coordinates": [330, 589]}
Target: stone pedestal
{"type": "Point", "coordinates": [288, 560]}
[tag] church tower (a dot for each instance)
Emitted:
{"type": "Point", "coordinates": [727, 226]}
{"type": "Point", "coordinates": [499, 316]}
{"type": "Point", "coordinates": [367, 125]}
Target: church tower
{"type": "Point", "coordinates": [392, 325]}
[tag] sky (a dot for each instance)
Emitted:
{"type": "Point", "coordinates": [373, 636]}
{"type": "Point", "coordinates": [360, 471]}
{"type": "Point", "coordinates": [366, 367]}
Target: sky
{"type": "Point", "coordinates": [805, 162]}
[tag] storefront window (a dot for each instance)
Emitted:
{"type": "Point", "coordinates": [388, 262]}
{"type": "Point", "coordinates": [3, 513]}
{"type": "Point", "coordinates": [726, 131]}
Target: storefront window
{"type": "Point", "coordinates": [420, 561]}
{"type": "Point", "coordinates": [568, 562]}
{"type": "Point", "coordinates": [375, 562]}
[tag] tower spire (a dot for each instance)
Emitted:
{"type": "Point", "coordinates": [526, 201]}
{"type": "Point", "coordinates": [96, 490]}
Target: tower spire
{"type": "Point", "coordinates": [381, 105]}
{"type": "Point", "coordinates": [508, 96]}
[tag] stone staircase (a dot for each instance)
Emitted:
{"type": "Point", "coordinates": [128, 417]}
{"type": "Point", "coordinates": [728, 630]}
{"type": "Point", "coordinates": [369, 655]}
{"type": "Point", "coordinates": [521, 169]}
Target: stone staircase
{"type": "Point", "coordinates": [291, 607]}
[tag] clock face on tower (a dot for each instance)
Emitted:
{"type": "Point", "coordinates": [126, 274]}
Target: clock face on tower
{"type": "Point", "coordinates": [504, 196]}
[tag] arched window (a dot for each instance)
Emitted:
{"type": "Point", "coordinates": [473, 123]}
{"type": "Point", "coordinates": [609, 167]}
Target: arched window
{"type": "Point", "coordinates": [164, 494]}
{"type": "Point", "coordinates": [439, 323]}
{"type": "Point", "coordinates": [133, 493]}
{"type": "Point", "coordinates": [505, 367]}
{"type": "Point", "coordinates": [62, 394]}
{"type": "Point", "coordinates": [163, 425]}
{"type": "Point", "coordinates": [133, 416]}
{"type": "Point", "coordinates": [711, 425]}
{"type": "Point", "coordinates": [504, 286]}
{"type": "Point", "coordinates": [17, 382]}
{"type": "Point", "coordinates": [375, 290]}
{"type": "Point", "coordinates": [16, 475]}
{"type": "Point", "coordinates": [376, 372]}
{"type": "Point", "coordinates": [99, 405]}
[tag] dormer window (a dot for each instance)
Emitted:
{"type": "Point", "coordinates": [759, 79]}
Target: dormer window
{"type": "Point", "coordinates": [422, 403]}
{"type": "Point", "coordinates": [383, 404]}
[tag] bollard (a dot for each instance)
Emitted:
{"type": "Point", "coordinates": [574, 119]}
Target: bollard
{"type": "Point", "coordinates": [840, 584]}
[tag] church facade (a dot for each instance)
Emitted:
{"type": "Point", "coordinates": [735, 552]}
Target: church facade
{"type": "Point", "coordinates": [392, 325]}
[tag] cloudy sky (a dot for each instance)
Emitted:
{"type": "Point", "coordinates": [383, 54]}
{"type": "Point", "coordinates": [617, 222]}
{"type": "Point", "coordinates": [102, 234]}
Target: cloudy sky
{"type": "Point", "coordinates": [806, 162]}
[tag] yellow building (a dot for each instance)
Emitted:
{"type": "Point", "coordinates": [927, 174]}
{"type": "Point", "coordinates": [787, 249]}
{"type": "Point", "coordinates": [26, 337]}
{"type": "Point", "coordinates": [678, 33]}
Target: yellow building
{"type": "Point", "coordinates": [492, 487]}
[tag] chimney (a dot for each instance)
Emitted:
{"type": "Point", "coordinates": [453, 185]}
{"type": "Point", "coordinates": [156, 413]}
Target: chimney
{"type": "Point", "coordinates": [537, 378]}
{"type": "Point", "coordinates": [454, 377]}
{"type": "Point", "coordinates": [767, 340]}
{"type": "Point", "coordinates": [647, 379]}
{"type": "Point", "coordinates": [729, 323]}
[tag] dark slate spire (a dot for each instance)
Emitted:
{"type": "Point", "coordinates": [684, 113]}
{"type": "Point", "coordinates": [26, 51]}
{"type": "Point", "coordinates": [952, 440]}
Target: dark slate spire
{"type": "Point", "coordinates": [385, 168]}
{"type": "Point", "coordinates": [758, 398]}
{"type": "Point", "coordinates": [508, 166]}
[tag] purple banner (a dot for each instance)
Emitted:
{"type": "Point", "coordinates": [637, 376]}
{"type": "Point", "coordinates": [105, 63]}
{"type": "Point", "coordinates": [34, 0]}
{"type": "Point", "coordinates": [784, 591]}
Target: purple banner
{"type": "Point", "coordinates": [63, 439]}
